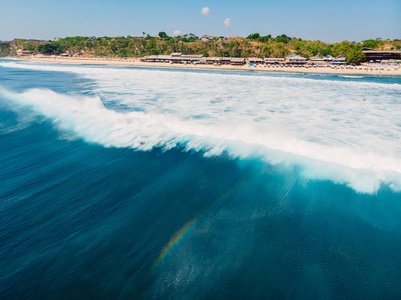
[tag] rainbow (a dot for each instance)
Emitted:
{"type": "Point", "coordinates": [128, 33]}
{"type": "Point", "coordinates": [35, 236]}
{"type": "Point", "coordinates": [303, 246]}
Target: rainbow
{"type": "Point", "coordinates": [174, 240]}
{"type": "Point", "coordinates": [186, 229]}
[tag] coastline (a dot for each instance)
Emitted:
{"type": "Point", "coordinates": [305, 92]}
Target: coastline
{"type": "Point", "coordinates": [134, 62]}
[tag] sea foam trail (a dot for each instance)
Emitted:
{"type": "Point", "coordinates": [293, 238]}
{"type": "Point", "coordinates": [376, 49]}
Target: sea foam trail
{"type": "Point", "coordinates": [89, 119]}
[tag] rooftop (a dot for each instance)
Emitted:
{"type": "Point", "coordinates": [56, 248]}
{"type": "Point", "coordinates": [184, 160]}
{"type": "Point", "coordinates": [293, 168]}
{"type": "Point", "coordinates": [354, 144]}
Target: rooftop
{"type": "Point", "coordinates": [295, 57]}
{"type": "Point", "coordinates": [383, 51]}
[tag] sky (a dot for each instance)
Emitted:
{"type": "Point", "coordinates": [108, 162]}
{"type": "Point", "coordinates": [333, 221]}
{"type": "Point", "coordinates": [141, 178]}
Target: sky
{"type": "Point", "coordinates": [328, 21]}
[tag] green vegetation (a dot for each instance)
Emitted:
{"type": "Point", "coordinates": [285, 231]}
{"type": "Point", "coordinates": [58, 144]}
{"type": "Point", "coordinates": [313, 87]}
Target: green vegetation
{"type": "Point", "coordinates": [5, 50]}
{"type": "Point", "coordinates": [163, 35]}
{"type": "Point", "coordinates": [254, 45]}
{"type": "Point", "coordinates": [51, 48]}
{"type": "Point", "coordinates": [355, 57]}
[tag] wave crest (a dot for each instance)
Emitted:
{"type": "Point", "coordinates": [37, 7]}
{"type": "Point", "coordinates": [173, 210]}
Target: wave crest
{"type": "Point", "coordinates": [87, 118]}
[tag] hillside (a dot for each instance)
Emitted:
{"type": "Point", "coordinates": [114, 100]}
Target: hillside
{"type": "Point", "coordinates": [252, 46]}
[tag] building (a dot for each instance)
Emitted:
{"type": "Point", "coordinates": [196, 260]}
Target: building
{"type": "Point", "coordinates": [179, 58]}
{"type": "Point", "coordinates": [295, 59]}
{"type": "Point", "coordinates": [151, 58]}
{"type": "Point", "coordinates": [328, 58]}
{"type": "Point", "coordinates": [211, 60]}
{"type": "Point", "coordinates": [206, 38]}
{"type": "Point", "coordinates": [237, 61]}
{"type": "Point", "coordinates": [225, 60]}
{"type": "Point", "coordinates": [192, 59]}
{"type": "Point", "coordinates": [235, 38]}
{"type": "Point", "coordinates": [255, 61]}
{"type": "Point", "coordinates": [24, 52]}
{"type": "Point", "coordinates": [317, 60]}
{"type": "Point", "coordinates": [163, 58]}
{"type": "Point", "coordinates": [340, 60]}
{"type": "Point", "coordinates": [175, 57]}
{"type": "Point", "coordinates": [379, 55]}
{"type": "Point", "coordinates": [274, 61]}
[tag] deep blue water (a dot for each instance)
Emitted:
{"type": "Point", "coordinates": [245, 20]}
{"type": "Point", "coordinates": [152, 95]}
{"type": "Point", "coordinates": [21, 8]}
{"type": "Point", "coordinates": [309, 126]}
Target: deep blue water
{"type": "Point", "coordinates": [82, 220]}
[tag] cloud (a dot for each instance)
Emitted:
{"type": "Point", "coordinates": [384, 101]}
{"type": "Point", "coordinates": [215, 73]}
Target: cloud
{"type": "Point", "coordinates": [176, 32]}
{"type": "Point", "coordinates": [170, 26]}
{"type": "Point", "coordinates": [227, 22]}
{"type": "Point", "coordinates": [205, 11]}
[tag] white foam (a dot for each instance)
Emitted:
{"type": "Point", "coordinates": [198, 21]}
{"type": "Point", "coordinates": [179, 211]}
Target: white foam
{"type": "Point", "coordinates": [88, 118]}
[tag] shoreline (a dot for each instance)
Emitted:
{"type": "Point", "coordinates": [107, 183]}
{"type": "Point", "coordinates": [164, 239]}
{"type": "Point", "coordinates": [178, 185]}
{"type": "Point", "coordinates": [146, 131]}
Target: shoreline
{"type": "Point", "coordinates": [134, 62]}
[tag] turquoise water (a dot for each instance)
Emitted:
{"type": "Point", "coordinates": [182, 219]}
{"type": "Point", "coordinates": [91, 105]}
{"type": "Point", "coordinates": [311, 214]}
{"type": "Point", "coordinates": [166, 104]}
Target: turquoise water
{"type": "Point", "coordinates": [119, 182]}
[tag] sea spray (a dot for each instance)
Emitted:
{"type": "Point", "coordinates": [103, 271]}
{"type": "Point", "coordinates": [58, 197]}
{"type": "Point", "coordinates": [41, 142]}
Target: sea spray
{"type": "Point", "coordinates": [90, 120]}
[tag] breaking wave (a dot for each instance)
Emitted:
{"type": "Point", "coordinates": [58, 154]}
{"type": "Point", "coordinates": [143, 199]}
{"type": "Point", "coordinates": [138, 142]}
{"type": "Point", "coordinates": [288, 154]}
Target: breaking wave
{"type": "Point", "coordinates": [87, 117]}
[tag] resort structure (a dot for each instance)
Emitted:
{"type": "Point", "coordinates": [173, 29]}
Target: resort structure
{"type": "Point", "coordinates": [295, 59]}
{"type": "Point", "coordinates": [256, 61]}
{"type": "Point", "coordinates": [274, 61]}
{"type": "Point", "coordinates": [292, 60]}
{"type": "Point", "coordinates": [382, 55]}
{"type": "Point", "coordinates": [179, 58]}
{"type": "Point", "coordinates": [23, 52]}
{"type": "Point", "coordinates": [340, 60]}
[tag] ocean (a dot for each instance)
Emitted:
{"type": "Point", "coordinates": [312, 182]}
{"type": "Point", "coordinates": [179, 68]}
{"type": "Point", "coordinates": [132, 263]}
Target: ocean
{"type": "Point", "coordinates": [160, 183]}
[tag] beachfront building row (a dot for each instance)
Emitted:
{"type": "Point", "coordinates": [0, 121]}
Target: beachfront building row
{"type": "Point", "coordinates": [372, 56]}
{"type": "Point", "coordinates": [294, 59]}
{"type": "Point", "coordinates": [180, 58]}
{"type": "Point", "coordinates": [383, 56]}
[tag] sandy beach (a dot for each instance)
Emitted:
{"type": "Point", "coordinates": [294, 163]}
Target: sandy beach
{"type": "Point", "coordinates": [359, 70]}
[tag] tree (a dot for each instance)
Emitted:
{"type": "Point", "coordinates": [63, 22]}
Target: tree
{"type": "Point", "coordinates": [267, 50]}
{"type": "Point", "coordinates": [225, 53]}
{"type": "Point", "coordinates": [163, 35]}
{"type": "Point", "coordinates": [283, 38]}
{"type": "Point", "coordinates": [123, 53]}
{"type": "Point", "coordinates": [355, 57]}
{"type": "Point", "coordinates": [4, 50]}
{"type": "Point", "coordinates": [47, 48]}
{"type": "Point", "coordinates": [253, 36]}
{"type": "Point", "coordinates": [236, 52]}
{"type": "Point", "coordinates": [264, 39]}
{"type": "Point", "coordinates": [280, 51]}
{"type": "Point", "coordinates": [371, 44]}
